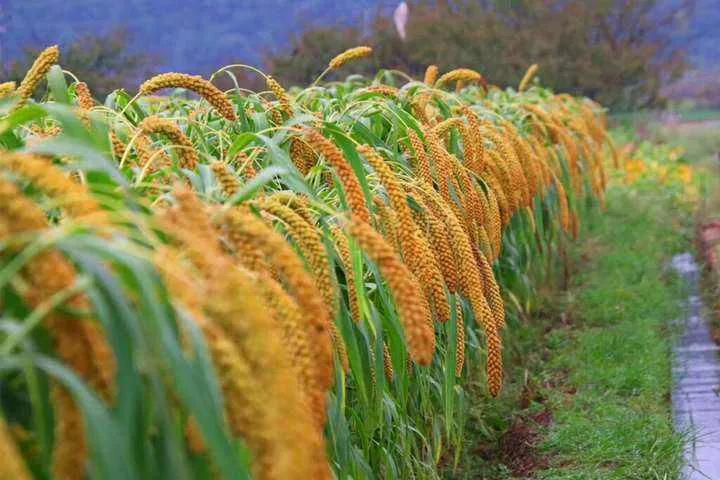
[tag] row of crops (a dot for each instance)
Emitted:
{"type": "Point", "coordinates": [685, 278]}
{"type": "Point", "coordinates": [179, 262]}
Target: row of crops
{"type": "Point", "coordinates": [283, 284]}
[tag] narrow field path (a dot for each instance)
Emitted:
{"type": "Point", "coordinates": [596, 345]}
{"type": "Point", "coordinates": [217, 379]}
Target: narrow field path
{"type": "Point", "coordinates": [695, 398]}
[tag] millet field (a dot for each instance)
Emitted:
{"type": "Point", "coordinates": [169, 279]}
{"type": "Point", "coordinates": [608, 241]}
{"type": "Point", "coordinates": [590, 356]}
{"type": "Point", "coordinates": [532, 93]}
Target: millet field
{"type": "Point", "coordinates": [371, 277]}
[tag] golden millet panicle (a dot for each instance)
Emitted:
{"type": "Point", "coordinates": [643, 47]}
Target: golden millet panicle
{"type": "Point", "coordinates": [406, 290]}
{"type": "Point", "coordinates": [440, 242]}
{"type": "Point", "coordinates": [118, 146]}
{"type": "Point", "coordinates": [334, 156]}
{"type": "Point", "coordinates": [302, 226]}
{"type": "Point", "coordinates": [44, 175]}
{"type": "Point", "coordinates": [494, 363]}
{"type": "Point", "coordinates": [563, 206]}
{"type": "Point", "coordinates": [443, 128]}
{"type": "Point", "coordinates": [302, 155]}
{"type": "Point", "coordinates": [274, 112]}
{"type": "Point", "coordinates": [79, 343]}
{"type": "Point", "coordinates": [388, 223]}
{"type": "Point", "coordinates": [248, 347]}
{"type": "Point", "coordinates": [431, 73]}
{"type": "Point", "coordinates": [492, 291]}
{"type": "Point", "coordinates": [528, 77]}
{"type": "Point", "coordinates": [475, 138]}
{"type": "Point", "coordinates": [12, 465]}
{"type": "Point", "coordinates": [485, 245]}
{"type": "Point", "coordinates": [422, 163]}
{"type": "Point", "coordinates": [416, 253]}
{"type": "Point", "coordinates": [343, 247]}
{"type": "Point", "coordinates": [289, 316]}
{"type": "Point", "coordinates": [240, 387]}
{"type": "Point", "coordinates": [288, 441]}
{"type": "Point", "coordinates": [84, 97]}
{"type": "Point", "coordinates": [227, 180]}
{"type": "Point", "coordinates": [6, 88]}
{"type": "Point", "coordinates": [472, 287]}
{"type": "Point", "coordinates": [38, 70]}
{"type": "Point", "coordinates": [419, 106]}
{"type": "Point", "coordinates": [280, 93]}
{"type": "Point", "coordinates": [384, 90]}
{"type": "Point", "coordinates": [298, 202]}
{"type": "Point", "coordinates": [259, 236]}
{"type": "Point", "coordinates": [71, 451]}
{"type": "Point", "coordinates": [313, 249]}
{"type": "Point", "coordinates": [460, 329]}
{"type": "Point", "coordinates": [387, 363]}
{"type": "Point", "coordinates": [153, 124]}
{"type": "Point", "coordinates": [460, 74]}
{"type": "Point", "coordinates": [349, 55]}
{"type": "Point", "coordinates": [147, 155]}
{"type": "Point", "coordinates": [195, 83]}
{"type": "Point", "coordinates": [437, 153]}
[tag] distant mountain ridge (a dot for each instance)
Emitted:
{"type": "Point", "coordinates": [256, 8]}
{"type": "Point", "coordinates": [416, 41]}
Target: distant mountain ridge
{"type": "Point", "coordinates": [199, 36]}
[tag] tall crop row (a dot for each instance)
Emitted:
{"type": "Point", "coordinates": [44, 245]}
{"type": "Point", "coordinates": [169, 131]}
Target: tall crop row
{"type": "Point", "coordinates": [276, 285]}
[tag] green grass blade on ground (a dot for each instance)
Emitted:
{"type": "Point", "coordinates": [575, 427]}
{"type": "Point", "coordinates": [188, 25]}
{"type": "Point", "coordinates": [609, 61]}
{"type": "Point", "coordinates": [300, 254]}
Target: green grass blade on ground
{"type": "Point", "coordinates": [590, 367]}
{"type": "Point", "coordinates": [612, 416]}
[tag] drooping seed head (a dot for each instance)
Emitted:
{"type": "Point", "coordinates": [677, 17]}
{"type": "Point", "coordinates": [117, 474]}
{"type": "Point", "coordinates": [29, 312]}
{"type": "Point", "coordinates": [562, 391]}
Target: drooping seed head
{"type": "Point", "coordinates": [334, 156]}
{"type": "Point", "coordinates": [461, 75]}
{"type": "Point", "coordinates": [527, 78]}
{"type": "Point", "coordinates": [405, 288]}
{"type": "Point", "coordinates": [431, 73]}
{"type": "Point", "coordinates": [153, 124]}
{"type": "Point", "coordinates": [349, 55]}
{"type": "Point", "coordinates": [84, 97]}
{"type": "Point", "coordinates": [213, 95]}
{"type": "Point", "coordinates": [227, 180]}
{"type": "Point", "coordinates": [35, 74]}
{"type": "Point", "coordinates": [281, 94]}
{"type": "Point", "coordinates": [13, 466]}
{"type": "Point", "coordinates": [6, 88]}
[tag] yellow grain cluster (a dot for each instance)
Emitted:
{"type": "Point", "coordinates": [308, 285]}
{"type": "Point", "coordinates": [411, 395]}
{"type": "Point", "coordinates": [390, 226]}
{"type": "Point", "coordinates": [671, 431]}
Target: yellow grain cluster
{"type": "Point", "coordinates": [348, 56]}
{"type": "Point", "coordinates": [79, 343]}
{"type": "Point", "coordinates": [6, 88]}
{"type": "Point", "coordinates": [195, 83]}
{"type": "Point", "coordinates": [385, 90]}
{"type": "Point", "coordinates": [84, 97]}
{"type": "Point", "coordinates": [227, 180]}
{"type": "Point", "coordinates": [266, 402]}
{"type": "Point", "coordinates": [44, 175]}
{"type": "Point", "coordinates": [464, 75]}
{"type": "Point", "coordinates": [431, 73]}
{"type": "Point", "coordinates": [414, 248]}
{"type": "Point", "coordinates": [153, 124]}
{"type": "Point", "coordinates": [407, 292]}
{"type": "Point", "coordinates": [302, 155]}
{"type": "Point", "coordinates": [13, 465]}
{"type": "Point", "coordinates": [527, 78]}
{"type": "Point", "coordinates": [37, 72]}
{"type": "Point", "coordinates": [334, 156]}
{"type": "Point", "coordinates": [281, 95]}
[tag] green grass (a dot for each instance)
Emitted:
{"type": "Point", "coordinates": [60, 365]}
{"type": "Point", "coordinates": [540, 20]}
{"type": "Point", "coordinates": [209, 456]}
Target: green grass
{"type": "Point", "coordinates": [598, 355]}
{"type": "Point", "coordinates": [616, 423]}
{"type": "Point", "coordinates": [685, 115]}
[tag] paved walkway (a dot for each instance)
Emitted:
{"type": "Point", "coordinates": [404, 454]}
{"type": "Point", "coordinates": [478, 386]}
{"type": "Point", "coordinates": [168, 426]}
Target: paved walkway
{"type": "Point", "coordinates": [696, 398]}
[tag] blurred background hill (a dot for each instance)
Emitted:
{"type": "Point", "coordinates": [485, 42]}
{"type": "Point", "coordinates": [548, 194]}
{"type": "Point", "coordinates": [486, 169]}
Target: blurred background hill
{"type": "Point", "coordinates": [632, 53]}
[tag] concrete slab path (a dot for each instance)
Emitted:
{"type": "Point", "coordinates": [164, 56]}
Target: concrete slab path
{"type": "Point", "coordinates": [696, 398]}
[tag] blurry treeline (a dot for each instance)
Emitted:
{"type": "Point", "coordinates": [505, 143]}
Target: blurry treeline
{"type": "Point", "coordinates": [102, 61]}
{"type": "Point", "coordinates": [615, 51]}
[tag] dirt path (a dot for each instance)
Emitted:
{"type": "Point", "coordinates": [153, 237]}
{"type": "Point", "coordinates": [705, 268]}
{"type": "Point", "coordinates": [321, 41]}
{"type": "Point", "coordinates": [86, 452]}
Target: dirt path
{"type": "Point", "coordinates": [696, 402]}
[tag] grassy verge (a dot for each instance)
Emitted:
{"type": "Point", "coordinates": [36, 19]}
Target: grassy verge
{"type": "Point", "coordinates": [593, 367]}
